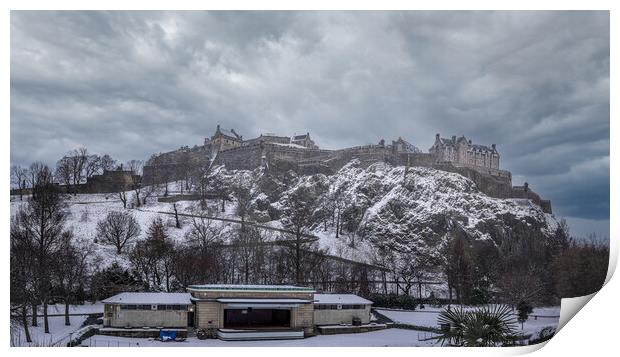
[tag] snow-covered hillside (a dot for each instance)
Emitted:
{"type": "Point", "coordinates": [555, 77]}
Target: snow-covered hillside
{"type": "Point", "coordinates": [380, 208]}
{"type": "Point", "coordinates": [384, 208]}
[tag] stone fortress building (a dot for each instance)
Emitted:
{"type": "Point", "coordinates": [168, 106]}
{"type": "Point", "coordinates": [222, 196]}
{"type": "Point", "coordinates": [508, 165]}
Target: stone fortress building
{"type": "Point", "coordinates": [301, 154]}
{"type": "Point", "coordinates": [463, 152]}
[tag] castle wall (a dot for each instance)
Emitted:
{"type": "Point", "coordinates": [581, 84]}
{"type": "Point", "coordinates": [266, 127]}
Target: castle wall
{"type": "Point", "coordinates": [494, 186]}
{"type": "Point", "coordinates": [280, 157]}
{"type": "Point", "coordinates": [416, 159]}
{"type": "Point", "coordinates": [108, 182]}
{"type": "Point", "coordinates": [268, 139]}
{"type": "Point", "coordinates": [546, 206]}
{"type": "Point", "coordinates": [495, 183]}
{"type": "Point", "coordinates": [527, 193]}
{"type": "Point", "coordinates": [172, 166]}
{"type": "Point", "coordinates": [240, 158]}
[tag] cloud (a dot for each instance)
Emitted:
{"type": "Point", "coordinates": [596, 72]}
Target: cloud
{"type": "Point", "coordinates": [135, 83]}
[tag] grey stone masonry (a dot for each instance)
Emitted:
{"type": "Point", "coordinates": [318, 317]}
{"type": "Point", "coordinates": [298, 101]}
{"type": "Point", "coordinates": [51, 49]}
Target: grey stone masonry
{"type": "Point", "coordinates": [280, 154]}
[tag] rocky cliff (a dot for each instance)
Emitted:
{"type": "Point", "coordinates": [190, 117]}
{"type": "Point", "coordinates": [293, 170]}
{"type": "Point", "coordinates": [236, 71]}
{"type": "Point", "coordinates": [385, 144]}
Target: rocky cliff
{"type": "Point", "coordinates": [381, 208]}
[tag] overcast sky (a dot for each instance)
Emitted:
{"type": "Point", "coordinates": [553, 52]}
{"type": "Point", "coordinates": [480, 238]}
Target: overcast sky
{"type": "Point", "coordinates": [134, 83]}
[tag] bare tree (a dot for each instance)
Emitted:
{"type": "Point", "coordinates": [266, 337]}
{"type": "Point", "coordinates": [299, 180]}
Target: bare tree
{"type": "Point", "coordinates": [72, 168]}
{"type": "Point", "coordinates": [412, 268]}
{"type": "Point", "coordinates": [423, 267]}
{"type": "Point", "coordinates": [204, 231]}
{"type": "Point", "coordinates": [22, 266]}
{"type": "Point", "coordinates": [457, 265]}
{"type": "Point", "coordinates": [185, 169]}
{"type": "Point", "coordinates": [176, 216]}
{"type": "Point", "coordinates": [77, 159]}
{"type": "Point", "coordinates": [222, 190]}
{"type": "Point", "coordinates": [107, 163]}
{"type": "Point", "coordinates": [153, 258]}
{"type": "Point", "coordinates": [92, 165]}
{"type": "Point", "coordinates": [245, 198]}
{"type": "Point", "coordinates": [404, 273]}
{"type": "Point", "coordinates": [41, 222]}
{"type": "Point", "coordinates": [136, 166]}
{"type": "Point", "coordinates": [18, 178]}
{"type": "Point", "coordinates": [35, 175]}
{"type": "Point", "coordinates": [122, 195]}
{"type": "Point", "coordinates": [520, 284]}
{"type": "Point", "coordinates": [336, 204]}
{"type": "Point", "coordinates": [302, 203]}
{"type": "Point", "coordinates": [202, 178]}
{"type": "Point", "coordinates": [71, 270]}
{"type": "Point", "coordinates": [581, 267]}
{"type": "Point", "coordinates": [64, 173]}
{"type": "Point", "coordinates": [251, 252]}
{"type": "Point", "coordinates": [117, 229]}
{"type": "Point", "coordinates": [147, 192]}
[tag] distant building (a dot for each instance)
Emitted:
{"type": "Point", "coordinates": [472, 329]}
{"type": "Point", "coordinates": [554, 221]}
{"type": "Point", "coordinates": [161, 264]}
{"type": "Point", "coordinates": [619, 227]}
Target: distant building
{"type": "Point", "coordinates": [225, 139]}
{"type": "Point", "coordinates": [403, 146]}
{"type": "Point", "coordinates": [462, 151]}
{"type": "Point", "coordinates": [304, 140]}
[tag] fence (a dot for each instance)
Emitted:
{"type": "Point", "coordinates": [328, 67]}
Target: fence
{"type": "Point", "coordinates": [92, 342]}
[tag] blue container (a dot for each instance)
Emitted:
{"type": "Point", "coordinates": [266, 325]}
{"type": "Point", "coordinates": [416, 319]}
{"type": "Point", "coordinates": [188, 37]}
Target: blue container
{"type": "Point", "coordinates": [166, 335]}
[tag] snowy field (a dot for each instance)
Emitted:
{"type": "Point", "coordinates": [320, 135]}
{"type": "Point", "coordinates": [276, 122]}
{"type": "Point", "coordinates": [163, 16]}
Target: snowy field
{"type": "Point", "coordinates": [59, 333]}
{"type": "Point", "coordinates": [85, 211]}
{"type": "Point", "coordinates": [384, 338]}
{"type": "Point", "coordinates": [546, 317]}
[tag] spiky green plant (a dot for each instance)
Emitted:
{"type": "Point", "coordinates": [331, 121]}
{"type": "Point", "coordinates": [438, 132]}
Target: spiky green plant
{"type": "Point", "coordinates": [492, 325]}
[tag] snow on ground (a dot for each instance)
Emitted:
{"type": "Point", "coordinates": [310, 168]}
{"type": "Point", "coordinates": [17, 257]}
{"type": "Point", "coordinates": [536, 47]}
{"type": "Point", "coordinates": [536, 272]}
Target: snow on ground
{"type": "Point", "coordinates": [59, 332]}
{"type": "Point", "coordinates": [291, 145]}
{"type": "Point", "coordinates": [85, 211]}
{"type": "Point", "coordinates": [547, 316]}
{"type": "Point", "coordinates": [384, 338]}
{"type": "Point", "coordinates": [87, 308]}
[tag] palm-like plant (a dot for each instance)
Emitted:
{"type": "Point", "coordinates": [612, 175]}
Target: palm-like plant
{"type": "Point", "coordinates": [483, 327]}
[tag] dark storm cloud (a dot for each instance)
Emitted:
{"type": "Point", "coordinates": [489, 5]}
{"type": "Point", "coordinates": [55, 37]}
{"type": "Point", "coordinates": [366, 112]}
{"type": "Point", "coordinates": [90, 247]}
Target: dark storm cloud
{"type": "Point", "coordinates": [134, 83]}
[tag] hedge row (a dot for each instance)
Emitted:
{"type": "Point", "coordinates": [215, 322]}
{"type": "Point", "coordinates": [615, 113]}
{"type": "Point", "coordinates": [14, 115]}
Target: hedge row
{"type": "Point", "coordinates": [393, 301]}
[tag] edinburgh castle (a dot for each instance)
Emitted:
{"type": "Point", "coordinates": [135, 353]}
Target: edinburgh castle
{"type": "Point", "coordinates": [299, 153]}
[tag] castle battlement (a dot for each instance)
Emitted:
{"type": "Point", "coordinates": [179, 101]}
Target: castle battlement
{"type": "Point", "coordinates": [300, 153]}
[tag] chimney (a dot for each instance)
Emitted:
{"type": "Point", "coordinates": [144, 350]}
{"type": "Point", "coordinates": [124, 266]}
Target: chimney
{"type": "Point", "coordinates": [218, 128]}
{"type": "Point", "coordinates": [437, 136]}
{"type": "Point", "coordinates": [493, 146]}
{"type": "Point", "coordinates": [454, 138]}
